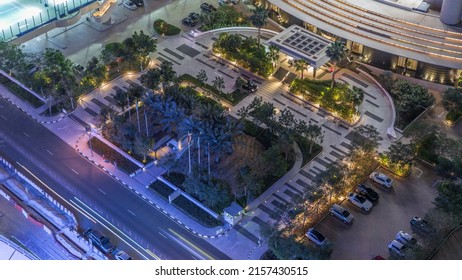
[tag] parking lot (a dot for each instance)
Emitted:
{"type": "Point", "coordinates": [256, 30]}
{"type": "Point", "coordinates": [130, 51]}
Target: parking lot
{"type": "Point", "coordinates": [370, 233]}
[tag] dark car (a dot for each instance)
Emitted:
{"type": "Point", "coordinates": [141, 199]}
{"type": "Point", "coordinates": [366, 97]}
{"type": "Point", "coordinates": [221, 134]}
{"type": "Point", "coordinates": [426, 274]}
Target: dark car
{"type": "Point", "coordinates": [369, 193]}
{"type": "Point", "coordinates": [138, 3]}
{"type": "Point", "coordinates": [250, 86]}
{"type": "Point", "coordinates": [420, 225]}
{"type": "Point", "coordinates": [99, 240]}
{"type": "Point", "coordinates": [194, 16]}
{"type": "Point", "coordinates": [189, 22]}
{"type": "Point", "coordinates": [208, 8]}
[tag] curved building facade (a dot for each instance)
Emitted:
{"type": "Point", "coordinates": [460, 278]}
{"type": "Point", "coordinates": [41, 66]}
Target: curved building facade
{"type": "Point", "coordinates": [451, 11]}
{"type": "Point", "coordinates": [410, 43]}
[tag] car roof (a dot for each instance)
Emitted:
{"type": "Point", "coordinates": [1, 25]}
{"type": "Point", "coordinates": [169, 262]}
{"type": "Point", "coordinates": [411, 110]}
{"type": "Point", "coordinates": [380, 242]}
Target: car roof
{"type": "Point", "coordinates": [397, 244]}
{"type": "Point", "coordinates": [338, 208]}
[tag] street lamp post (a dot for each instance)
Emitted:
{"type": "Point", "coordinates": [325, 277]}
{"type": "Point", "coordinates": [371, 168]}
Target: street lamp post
{"type": "Point", "coordinates": [89, 140]}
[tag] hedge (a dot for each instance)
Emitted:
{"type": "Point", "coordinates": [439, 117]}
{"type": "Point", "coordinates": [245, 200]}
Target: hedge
{"type": "Point", "coordinates": [112, 155]}
{"type": "Point", "coordinates": [163, 28]}
{"type": "Point", "coordinates": [195, 212]}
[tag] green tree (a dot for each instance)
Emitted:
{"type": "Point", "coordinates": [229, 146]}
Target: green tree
{"type": "Point", "coordinates": [219, 84]}
{"type": "Point", "coordinates": [273, 54]}
{"type": "Point", "coordinates": [142, 46]}
{"type": "Point", "coordinates": [452, 99]}
{"type": "Point", "coordinates": [12, 57]}
{"type": "Point", "coordinates": [400, 156]}
{"type": "Point", "coordinates": [336, 52]}
{"type": "Point", "coordinates": [312, 132]}
{"type": "Point", "coordinates": [151, 79]}
{"type": "Point", "coordinates": [142, 146]}
{"type": "Point", "coordinates": [300, 65]}
{"type": "Point", "coordinates": [259, 19]}
{"type": "Point", "coordinates": [449, 198]}
{"type": "Point", "coordinates": [367, 137]}
{"type": "Point", "coordinates": [202, 77]}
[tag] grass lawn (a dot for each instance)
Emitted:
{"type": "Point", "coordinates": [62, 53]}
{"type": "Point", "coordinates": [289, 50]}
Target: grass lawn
{"type": "Point", "coordinates": [112, 156]}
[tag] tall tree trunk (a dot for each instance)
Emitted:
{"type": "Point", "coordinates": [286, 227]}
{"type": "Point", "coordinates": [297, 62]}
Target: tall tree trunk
{"type": "Point", "coordinates": [333, 76]}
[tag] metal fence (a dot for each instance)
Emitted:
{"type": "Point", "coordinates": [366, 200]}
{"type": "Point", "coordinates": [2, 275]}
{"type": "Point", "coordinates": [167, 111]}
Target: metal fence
{"type": "Point", "coordinates": [53, 10]}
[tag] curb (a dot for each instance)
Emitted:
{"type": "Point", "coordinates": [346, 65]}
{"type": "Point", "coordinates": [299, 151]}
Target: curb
{"type": "Point", "coordinates": [100, 166]}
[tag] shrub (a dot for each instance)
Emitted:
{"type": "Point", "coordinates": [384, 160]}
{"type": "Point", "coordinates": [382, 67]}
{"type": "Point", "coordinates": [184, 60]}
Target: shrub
{"type": "Point", "coordinates": [21, 93]}
{"type": "Point", "coordinates": [163, 28]}
{"type": "Point", "coordinates": [195, 212]}
{"type": "Point", "coordinates": [111, 155]}
{"type": "Point", "coordinates": [453, 116]}
{"type": "Point", "coordinates": [161, 189]}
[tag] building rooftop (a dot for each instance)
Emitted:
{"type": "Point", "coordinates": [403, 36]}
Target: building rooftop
{"type": "Point", "coordinates": [410, 34]}
{"type": "Point", "coordinates": [302, 44]}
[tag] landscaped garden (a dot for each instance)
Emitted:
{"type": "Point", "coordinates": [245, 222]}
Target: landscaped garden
{"type": "Point", "coordinates": [341, 100]}
{"type": "Point", "coordinates": [20, 92]}
{"type": "Point", "coordinates": [244, 51]}
{"type": "Point", "coordinates": [164, 28]}
{"type": "Point", "coordinates": [111, 155]}
{"type": "Point", "coordinates": [410, 100]}
{"type": "Point", "coordinates": [224, 16]}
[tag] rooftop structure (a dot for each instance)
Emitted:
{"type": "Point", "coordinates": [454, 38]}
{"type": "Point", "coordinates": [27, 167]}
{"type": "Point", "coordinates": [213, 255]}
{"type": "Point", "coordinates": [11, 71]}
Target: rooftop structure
{"type": "Point", "coordinates": [302, 44]}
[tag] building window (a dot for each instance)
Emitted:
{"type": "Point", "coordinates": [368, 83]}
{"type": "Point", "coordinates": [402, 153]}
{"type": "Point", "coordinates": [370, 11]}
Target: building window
{"type": "Point", "coordinates": [357, 48]}
{"type": "Point", "coordinates": [407, 63]}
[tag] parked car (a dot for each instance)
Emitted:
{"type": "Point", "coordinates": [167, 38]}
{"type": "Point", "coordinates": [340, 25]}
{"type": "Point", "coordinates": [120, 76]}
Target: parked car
{"type": "Point", "coordinates": [359, 201]}
{"type": "Point", "coordinates": [121, 255]}
{"type": "Point", "coordinates": [99, 240]}
{"type": "Point", "coordinates": [138, 3]}
{"type": "Point", "coordinates": [381, 179]}
{"type": "Point", "coordinates": [189, 21]}
{"type": "Point", "coordinates": [247, 85]}
{"type": "Point", "coordinates": [194, 16]}
{"type": "Point", "coordinates": [225, 2]}
{"type": "Point", "coordinates": [396, 247]}
{"type": "Point", "coordinates": [405, 238]}
{"type": "Point", "coordinates": [341, 213]}
{"type": "Point", "coordinates": [317, 237]}
{"type": "Point", "coordinates": [420, 224]}
{"type": "Point", "coordinates": [367, 192]}
{"type": "Point", "coordinates": [129, 5]}
{"type": "Point", "coordinates": [208, 8]}
{"type": "Point", "coordinates": [78, 68]}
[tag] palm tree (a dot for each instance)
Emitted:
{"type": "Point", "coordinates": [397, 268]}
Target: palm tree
{"type": "Point", "coordinates": [336, 52]}
{"type": "Point", "coordinates": [273, 54]}
{"type": "Point", "coordinates": [219, 84]}
{"type": "Point", "coordinates": [259, 17]}
{"type": "Point", "coordinates": [202, 77]}
{"type": "Point", "coordinates": [300, 65]}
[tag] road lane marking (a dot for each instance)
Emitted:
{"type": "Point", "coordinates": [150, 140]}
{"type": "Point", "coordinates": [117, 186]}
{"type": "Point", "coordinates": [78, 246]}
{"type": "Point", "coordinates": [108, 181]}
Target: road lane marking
{"type": "Point", "coordinates": [420, 170]}
{"type": "Point", "coordinates": [101, 191]}
{"type": "Point", "coordinates": [50, 153]}
{"type": "Point", "coordinates": [131, 212]}
{"type": "Point", "coordinates": [26, 134]}
{"type": "Point", "coordinates": [163, 235]}
{"type": "Point", "coordinates": [53, 191]}
{"type": "Point", "coordinates": [4, 117]}
{"type": "Point", "coordinates": [185, 241]}
{"type": "Point", "coordinates": [119, 231]}
{"type": "Point", "coordinates": [75, 171]}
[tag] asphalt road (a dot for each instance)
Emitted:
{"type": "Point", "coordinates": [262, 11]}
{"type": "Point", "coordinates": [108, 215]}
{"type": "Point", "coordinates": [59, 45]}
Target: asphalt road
{"type": "Point", "coordinates": [84, 186]}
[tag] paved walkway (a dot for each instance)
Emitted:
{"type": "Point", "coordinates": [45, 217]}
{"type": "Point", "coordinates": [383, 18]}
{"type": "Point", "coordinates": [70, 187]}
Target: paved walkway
{"type": "Point", "coordinates": [189, 55]}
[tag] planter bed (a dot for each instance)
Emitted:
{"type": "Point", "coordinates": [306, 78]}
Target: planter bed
{"type": "Point", "coordinates": [195, 212]}
{"type": "Point", "coordinates": [161, 189]}
{"type": "Point", "coordinates": [112, 156]}
{"type": "Point", "coordinates": [20, 92]}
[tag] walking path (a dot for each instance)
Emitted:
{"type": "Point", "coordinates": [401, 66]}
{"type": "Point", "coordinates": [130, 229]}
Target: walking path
{"type": "Point", "coordinates": [188, 55]}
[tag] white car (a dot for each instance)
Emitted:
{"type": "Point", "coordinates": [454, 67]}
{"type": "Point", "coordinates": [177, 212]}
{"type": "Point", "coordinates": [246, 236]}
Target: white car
{"type": "Point", "coordinates": [396, 247]}
{"type": "Point", "coordinates": [405, 238]}
{"type": "Point", "coordinates": [381, 179]}
{"type": "Point", "coordinates": [341, 213]}
{"type": "Point", "coordinates": [316, 237]}
{"type": "Point", "coordinates": [121, 255]}
{"type": "Point", "coordinates": [359, 201]}
{"type": "Point", "coordinates": [129, 5]}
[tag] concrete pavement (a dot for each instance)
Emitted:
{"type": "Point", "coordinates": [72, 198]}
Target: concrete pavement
{"type": "Point", "coordinates": [188, 55]}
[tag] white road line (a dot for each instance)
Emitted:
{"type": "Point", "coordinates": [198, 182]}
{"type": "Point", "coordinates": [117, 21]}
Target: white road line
{"type": "Point", "coordinates": [163, 235]}
{"type": "Point", "coordinates": [421, 172]}
{"type": "Point", "coordinates": [131, 213]}
{"type": "Point", "coordinates": [101, 191]}
{"type": "Point", "coordinates": [26, 134]}
{"type": "Point", "coordinates": [75, 171]}
{"type": "Point", "coordinates": [4, 117]}
{"type": "Point", "coordinates": [50, 153]}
